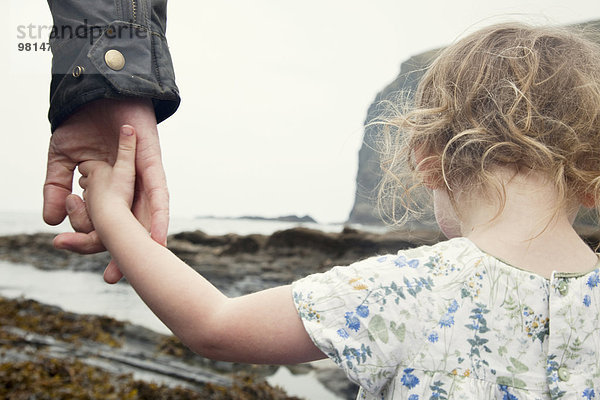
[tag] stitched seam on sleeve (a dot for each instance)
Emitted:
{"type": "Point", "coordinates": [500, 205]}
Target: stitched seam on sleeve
{"type": "Point", "coordinates": [155, 62]}
{"type": "Point", "coordinates": [119, 9]}
{"type": "Point", "coordinates": [147, 12]}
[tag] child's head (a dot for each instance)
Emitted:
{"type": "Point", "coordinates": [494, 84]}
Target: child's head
{"type": "Point", "coordinates": [510, 95]}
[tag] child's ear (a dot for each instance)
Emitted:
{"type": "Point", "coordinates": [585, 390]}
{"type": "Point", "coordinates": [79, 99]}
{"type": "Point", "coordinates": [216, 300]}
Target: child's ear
{"type": "Point", "coordinates": [432, 180]}
{"type": "Point", "coordinates": [588, 200]}
{"type": "Point", "coordinates": [428, 166]}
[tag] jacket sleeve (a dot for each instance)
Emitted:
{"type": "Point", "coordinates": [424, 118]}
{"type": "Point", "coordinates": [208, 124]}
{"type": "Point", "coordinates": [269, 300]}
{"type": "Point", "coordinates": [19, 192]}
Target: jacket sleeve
{"type": "Point", "coordinates": [110, 49]}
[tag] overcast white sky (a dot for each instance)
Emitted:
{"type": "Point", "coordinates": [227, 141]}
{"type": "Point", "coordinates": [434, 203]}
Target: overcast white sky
{"type": "Point", "coordinates": [274, 95]}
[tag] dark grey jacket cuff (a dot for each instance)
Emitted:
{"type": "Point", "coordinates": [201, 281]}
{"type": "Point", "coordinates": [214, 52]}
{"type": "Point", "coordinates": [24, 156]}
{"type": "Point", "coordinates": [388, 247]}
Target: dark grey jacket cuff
{"type": "Point", "coordinates": [110, 49]}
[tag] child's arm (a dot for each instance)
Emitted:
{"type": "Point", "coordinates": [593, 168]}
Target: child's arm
{"type": "Point", "coordinates": [259, 328]}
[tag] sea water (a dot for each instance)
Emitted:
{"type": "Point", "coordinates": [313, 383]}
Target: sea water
{"type": "Point", "coordinates": [12, 223]}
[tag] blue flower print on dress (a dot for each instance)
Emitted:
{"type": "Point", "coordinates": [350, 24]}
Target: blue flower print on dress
{"type": "Point", "coordinates": [587, 300]}
{"type": "Point", "coordinates": [408, 379]}
{"type": "Point", "coordinates": [552, 369]}
{"type": "Point", "coordinates": [433, 337]}
{"type": "Point", "coordinates": [588, 393]}
{"type": "Point", "coordinates": [507, 396]}
{"type": "Point", "coordinates": [343, 333]}
{"type": "Point", "coordinates": [352, 322]}
{"type": "Point", "coordinates": [362, 311]}
{"type": "Point", "coordinates": [401, 261]}
{"type": "Point", "coordinates": [593, 280]}
{"type": "Point", "coordinates": [453, 307]}
{"type": "Point", "coordinates": [413, 397]}
{"type": "Point", "coordinates": [447, 321]}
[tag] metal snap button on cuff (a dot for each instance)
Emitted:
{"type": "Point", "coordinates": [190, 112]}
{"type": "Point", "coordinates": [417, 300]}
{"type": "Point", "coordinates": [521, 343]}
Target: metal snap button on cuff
{"type": "Point", "coordinates": [563, 374]}
{"type": "Point", "coordinates": [78, 71]}
{"type": "Point", "coordinates": [114, 59]}
{"type": "Point", "coordinates": [563, 288]}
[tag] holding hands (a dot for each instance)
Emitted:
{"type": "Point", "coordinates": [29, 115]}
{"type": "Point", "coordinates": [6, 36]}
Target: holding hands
{"type": "Point", "coordinates": [205, 319]}
{"type": "Point", "coordinates": [92, 134]}
{"type": "Point", "coordinates": [109, 188]}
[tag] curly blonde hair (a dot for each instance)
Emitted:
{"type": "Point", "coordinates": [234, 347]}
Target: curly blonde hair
{"type": "Point", "coordinates": [507, 95]}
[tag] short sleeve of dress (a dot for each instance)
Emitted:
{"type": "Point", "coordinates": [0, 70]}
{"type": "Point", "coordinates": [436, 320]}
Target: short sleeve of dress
{"type": "Point", "coordinates": [353, 315]}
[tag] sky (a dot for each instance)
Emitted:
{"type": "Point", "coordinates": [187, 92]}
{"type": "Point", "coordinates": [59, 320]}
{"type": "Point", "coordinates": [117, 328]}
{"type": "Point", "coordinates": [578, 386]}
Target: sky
{"type": "Point", "coordinates": [274, 95]}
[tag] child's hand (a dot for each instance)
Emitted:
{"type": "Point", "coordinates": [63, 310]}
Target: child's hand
{"type": "Point", "coordinates": [107, 188]}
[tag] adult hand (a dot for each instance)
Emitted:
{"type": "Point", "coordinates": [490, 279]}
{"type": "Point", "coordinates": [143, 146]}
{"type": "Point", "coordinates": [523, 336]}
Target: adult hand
{"type": "Point", "coordinates": [92, 133]}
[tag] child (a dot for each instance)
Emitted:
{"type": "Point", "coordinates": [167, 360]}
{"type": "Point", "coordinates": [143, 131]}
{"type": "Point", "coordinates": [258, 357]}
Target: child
{"type": "Point", "coordinates": [506, 133]}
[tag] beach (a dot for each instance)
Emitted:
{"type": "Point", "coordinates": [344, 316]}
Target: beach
{"type": "Point", "coordinates": [238, 256]}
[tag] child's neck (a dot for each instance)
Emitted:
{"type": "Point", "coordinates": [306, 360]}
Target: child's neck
{"type": "Point", "coordinates": [529, 233]}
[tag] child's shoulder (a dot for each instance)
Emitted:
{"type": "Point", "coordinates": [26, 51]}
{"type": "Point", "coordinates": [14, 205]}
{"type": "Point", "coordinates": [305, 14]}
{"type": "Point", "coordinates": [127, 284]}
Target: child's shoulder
{"type": "Point", "coordinates": [448, 260]}
{"type": "Point", "coordinates": [459, 248]}
{"type": "Point", "coordinates": [451, 254]}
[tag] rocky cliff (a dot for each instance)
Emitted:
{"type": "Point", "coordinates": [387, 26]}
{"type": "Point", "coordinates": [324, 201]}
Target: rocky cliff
{"type": "Point", "coordinates": [364, 210]}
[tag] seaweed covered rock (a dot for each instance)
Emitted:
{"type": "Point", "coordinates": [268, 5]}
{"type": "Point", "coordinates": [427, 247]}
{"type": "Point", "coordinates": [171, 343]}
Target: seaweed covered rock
{"type": "Point", "coordinates": [47, 353]}
{"type": "Point", "coordinates": [31, 316]}
{"type": "Point", "coordinates": [55, 379]}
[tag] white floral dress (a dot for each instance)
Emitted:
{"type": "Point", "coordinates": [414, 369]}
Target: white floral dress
{"type": "Point", "coordinates": [451, 322]}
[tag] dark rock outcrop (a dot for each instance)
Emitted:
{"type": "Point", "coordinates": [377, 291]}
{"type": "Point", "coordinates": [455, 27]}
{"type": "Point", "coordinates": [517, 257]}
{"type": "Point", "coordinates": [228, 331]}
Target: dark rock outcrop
{"type": "Point", "coordinates": [242, 264]}
{"type": "Point", "coordinates": [234, 263]}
